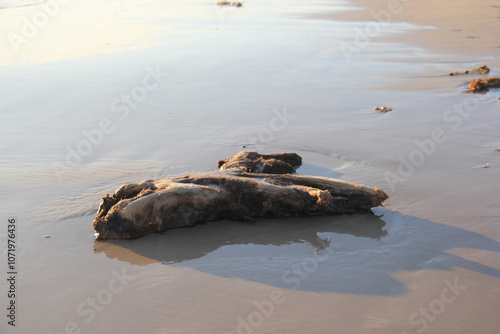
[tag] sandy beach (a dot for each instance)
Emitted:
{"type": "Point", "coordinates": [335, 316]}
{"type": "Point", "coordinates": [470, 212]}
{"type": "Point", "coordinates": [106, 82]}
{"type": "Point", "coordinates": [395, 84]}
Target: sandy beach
{"type": "Point", "coordinates": [98, 94]}
{"type": "Point", "coordinates": [458, 29]}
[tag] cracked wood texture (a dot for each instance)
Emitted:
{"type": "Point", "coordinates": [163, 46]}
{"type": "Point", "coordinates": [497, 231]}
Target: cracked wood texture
{"type": "Point", "coordinates": [155, 206]}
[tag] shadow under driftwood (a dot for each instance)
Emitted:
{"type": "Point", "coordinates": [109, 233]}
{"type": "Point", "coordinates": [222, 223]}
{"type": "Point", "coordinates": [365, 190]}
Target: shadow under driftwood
{"type": "Point", "coordinates": [185, 244]}
{"type": "Point", "coordinates": [355, 254]}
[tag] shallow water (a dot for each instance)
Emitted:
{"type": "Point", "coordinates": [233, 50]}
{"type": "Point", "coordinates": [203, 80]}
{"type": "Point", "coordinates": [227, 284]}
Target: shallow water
{"type": "Point", "coordinates": [205, 81]}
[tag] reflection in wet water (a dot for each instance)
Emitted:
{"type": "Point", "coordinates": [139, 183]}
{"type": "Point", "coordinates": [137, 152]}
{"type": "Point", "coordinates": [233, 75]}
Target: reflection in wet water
{"type": "Point", "coordinates": [42, 32]}
{"type": "Point", "coordinates": [349, 254]}
{"type": "Point", "coordinates": [170, 247]}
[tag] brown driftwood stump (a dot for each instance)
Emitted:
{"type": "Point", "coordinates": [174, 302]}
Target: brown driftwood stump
{"type": "Point", "coordinates": [234, 193]}
{"type": "Point", "coordinates": [253, 162]}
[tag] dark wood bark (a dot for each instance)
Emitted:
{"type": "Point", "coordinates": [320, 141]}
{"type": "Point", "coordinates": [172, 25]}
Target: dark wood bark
{"type": "Point", "coordinates": [253, 162]}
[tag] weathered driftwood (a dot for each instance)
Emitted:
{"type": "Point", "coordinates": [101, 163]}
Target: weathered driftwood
{"type": "Point", "coordinates": [155, 206]}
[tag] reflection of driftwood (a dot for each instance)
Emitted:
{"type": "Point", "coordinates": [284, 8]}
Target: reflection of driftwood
{"type": "Point", "coordinates": [155, 206]}
{"type": "Point", "coordinates": [483, 85]}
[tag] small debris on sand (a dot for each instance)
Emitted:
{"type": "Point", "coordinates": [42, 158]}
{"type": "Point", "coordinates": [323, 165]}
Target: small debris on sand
{"type": "Point", "coordinates": [483, 85]}
{"type": "Point", "coordinates": [227, 3]}
{"type": "Point", "coordinates": [481, 70]}
{"type": "Point", "coordinates": [486, 165]}
{"type": "Point", "coordinates": [46, 236]}
{"type": "Point", "coordinates": [383, 109]}
{"type": "Point", "coordinates": [497, 149]}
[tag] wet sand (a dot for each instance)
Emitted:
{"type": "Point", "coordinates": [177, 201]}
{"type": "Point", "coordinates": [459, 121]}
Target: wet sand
{"type": "Point", "coordinates": [456, 29]}
{"type": "Point", "coordinates": [274, 78]}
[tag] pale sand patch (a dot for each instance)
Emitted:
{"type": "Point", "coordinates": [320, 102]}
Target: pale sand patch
{"type": "Point", "coordinates": [462, 27]}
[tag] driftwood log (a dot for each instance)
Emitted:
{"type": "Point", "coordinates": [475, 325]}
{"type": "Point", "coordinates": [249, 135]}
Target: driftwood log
{"type": "Point", "coordinates": [232, 193]}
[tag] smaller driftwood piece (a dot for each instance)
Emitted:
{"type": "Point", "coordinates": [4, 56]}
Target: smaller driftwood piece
{"type": "Point", "coordinates": [482, 85]}
{"type": "Point", "coordinates": [247, 186]}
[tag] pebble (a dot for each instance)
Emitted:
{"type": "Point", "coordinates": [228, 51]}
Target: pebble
{"type": "Point", "coordinates": [383, 109]}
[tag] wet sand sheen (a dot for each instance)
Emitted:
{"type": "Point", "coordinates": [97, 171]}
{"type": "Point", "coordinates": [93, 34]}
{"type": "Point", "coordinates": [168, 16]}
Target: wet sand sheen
{"type": "Point", "coordinates": [434, 247]}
